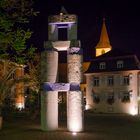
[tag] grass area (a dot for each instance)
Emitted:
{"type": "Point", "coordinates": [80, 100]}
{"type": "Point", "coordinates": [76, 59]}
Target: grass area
{"type": "Point", "coordinates": [97, 127]}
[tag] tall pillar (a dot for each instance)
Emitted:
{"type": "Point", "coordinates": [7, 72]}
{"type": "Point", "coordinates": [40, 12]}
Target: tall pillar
{"type": "Point", "coordinates": [49, 99]}
{"type": "Point", "coordinates": [74, 97]}
{"type": "Point", "coordinates": [19, 89]}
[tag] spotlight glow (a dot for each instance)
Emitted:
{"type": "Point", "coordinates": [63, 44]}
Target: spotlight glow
{"type": "Point", "coordinates": [87, 107]}
{"type": "Point", "coordinates": [133, 111]}
{"type": "Point", "coordinates": [74, 133]}
{"type": "Point", "coordinates": [20, 106]}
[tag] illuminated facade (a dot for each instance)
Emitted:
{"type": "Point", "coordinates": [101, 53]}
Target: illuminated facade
{"type": "Point", "coordinates": [113, 83]}
{"type": "Point", "coordinates": [102, 47]}
{"type": "Point", "coordinates": [62, 36]}
{"type": "Point", "coordinates": [112, 80]}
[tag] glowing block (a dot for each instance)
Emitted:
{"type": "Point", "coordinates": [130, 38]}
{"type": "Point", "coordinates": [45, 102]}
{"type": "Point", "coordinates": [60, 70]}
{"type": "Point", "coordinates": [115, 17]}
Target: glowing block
{"type": "Point", "coordinates": [49, 110]}
{"type": "Point", "coordinates": [61, 45]}
{"type": "Point", "coordinates": [74, 68]}
{"type": "Point", "coordinates": [56, 86]}
{"type": "Point", "coordinates": [74, 111]}
{"type": "Point", "coordinates": [51, 66]}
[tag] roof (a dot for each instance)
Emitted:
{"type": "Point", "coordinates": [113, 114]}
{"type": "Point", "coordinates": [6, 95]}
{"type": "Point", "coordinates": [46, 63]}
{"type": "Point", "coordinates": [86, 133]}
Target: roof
{"type": "Point", "coordinates": [130, 62]}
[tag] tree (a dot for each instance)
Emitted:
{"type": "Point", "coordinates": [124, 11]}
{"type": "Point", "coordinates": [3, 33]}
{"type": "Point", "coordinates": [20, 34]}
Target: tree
{"type": "Point", "coordinates": [6, 80]}
{"type": "Point", "coordinates": [15, 16]}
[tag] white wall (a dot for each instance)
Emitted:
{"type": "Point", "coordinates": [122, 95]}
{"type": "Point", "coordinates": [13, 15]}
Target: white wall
{"type": "Point", "coordinates": [118, 106]}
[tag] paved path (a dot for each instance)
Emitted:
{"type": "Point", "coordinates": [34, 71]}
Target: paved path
{"type": "Point", "coordinates": [97, 127]}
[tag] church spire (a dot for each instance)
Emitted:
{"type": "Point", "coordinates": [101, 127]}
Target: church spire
{"type": "Point", "coordinates": [104, 35]}
{"type": "Point", "coordinates": [103, 45]}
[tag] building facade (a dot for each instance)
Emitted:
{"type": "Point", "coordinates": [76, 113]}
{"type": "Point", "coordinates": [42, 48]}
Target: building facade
{"type": "Point", "coordinates": [113, 84]}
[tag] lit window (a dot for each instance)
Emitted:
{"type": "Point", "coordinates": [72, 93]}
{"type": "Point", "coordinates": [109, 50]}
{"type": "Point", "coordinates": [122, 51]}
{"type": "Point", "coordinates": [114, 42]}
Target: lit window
{"type": "Point", "coordinates": [119, 64]}
{"type": "Point", "coordinates": [96, 81]}
{"type": "Point", "coordinates": [110, 81]}
{"type": "Point", "coordinates": [102, 65]}
{"type": "Point", "coordinates": [126, 80]}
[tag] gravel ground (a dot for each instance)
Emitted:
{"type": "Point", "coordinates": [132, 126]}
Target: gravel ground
{"type": "Point", "coordinates": [97, 127]}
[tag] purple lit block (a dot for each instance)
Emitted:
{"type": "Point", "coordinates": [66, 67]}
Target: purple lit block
{"type": "Point", "coordinates": [56, 86]}
{"type": "Point", "coordinates": [75, 50]}
{"type": "Point", "coordinates": [74, 87]}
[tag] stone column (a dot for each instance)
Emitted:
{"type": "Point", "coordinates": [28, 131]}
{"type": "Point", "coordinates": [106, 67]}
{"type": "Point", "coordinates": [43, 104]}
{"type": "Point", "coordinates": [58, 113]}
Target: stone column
{"type": "Point", "coordinates": [49, 65]}
{"type": "Point", "coordinates": [49, 99]}
{"type": "Point", "coordinates": [74, 97]}
{"type": "Point", "coordinates": [19, 89]}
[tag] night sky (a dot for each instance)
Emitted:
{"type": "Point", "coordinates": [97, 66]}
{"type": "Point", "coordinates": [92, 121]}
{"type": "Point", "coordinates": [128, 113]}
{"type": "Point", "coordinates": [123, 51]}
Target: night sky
{"type": "Point", "coordinates": [122, 21]}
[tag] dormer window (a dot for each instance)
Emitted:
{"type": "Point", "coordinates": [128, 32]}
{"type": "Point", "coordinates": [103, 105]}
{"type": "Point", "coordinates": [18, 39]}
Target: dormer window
{"type": "Point", "coordinates": [119, 64]}
{"type": "Point", "coordinates": [102, 65]}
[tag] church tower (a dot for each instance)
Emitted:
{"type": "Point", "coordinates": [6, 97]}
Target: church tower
{"type": "Point", "coordinates": [103, 45]}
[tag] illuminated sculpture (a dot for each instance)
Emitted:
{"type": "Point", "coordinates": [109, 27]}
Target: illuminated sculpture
{"type": "Point", "coordinates": [49, 73]}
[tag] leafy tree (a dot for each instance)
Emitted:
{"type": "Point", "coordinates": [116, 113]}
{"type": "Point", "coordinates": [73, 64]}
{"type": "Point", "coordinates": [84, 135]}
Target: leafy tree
{"type": "Point", "coordinates": [15, 17]}
{"type": "Point", "coordinates": [6, 81]}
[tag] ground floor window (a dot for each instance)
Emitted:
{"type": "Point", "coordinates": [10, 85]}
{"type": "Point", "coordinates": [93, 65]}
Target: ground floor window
{"type": "Point", "coordinates": [110, 99]}
{"type": "Point", "coordinates": [96, 98]}
{"type": "Point", "coordinates": [126, 97]}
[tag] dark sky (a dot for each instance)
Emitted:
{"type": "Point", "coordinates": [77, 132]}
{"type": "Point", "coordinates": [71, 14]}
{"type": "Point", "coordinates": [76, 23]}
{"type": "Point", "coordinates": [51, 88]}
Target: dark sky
{"type": "Point", "coordinates": [122, 21]}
